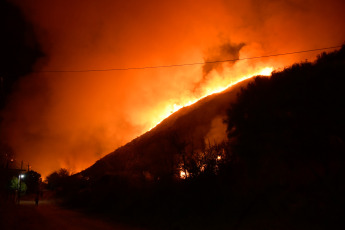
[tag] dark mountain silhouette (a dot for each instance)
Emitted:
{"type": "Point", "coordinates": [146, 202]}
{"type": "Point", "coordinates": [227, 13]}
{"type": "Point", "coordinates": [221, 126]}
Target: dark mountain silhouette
{"type": "Point", "coordinates": [151, 155]}
{"type": "Point", "coordinates": [305, 95]}
{"type": "Point", "coordinates": [282, 166]}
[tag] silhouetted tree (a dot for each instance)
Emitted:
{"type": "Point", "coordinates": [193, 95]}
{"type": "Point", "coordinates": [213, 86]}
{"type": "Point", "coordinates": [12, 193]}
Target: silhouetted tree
{"type": "Point", "coordinates": [58, 179]}
{"type": "Point", "coordinates": [15, 185]}
{"type": "Point", "coordinates": [32, 180]}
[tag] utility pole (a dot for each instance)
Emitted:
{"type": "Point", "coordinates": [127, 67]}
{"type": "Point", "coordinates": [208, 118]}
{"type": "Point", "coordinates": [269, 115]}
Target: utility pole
{"type": "Point", "coordinates": [21, 166]}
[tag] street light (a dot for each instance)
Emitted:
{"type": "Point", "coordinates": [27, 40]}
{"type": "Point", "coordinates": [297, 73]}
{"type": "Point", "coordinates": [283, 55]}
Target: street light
{"type": "Point", "coordinates": [20, 176]}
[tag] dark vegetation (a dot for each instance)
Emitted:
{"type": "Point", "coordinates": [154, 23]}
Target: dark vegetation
{"type": "Point", "coordinates": [281, 168]}
{"type": "Point", "coordinates": [13, 186]}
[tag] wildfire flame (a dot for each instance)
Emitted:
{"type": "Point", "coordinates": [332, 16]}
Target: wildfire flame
{"type": "Point", "coordinates": [170, 109]}
{"type": "Point", "coordinates": [71, 119]}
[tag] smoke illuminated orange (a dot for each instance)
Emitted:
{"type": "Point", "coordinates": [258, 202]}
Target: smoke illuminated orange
{"type": "Point", "coordinates": [170, 109]}
{"type": "Point", "coordinates": [72, 119]}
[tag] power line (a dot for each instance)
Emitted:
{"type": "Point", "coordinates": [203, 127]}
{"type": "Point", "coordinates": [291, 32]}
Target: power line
{"type": "Point", "coordinates": [185, 64]}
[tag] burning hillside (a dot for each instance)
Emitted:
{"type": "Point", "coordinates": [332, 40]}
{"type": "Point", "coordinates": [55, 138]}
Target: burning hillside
{"type": "Point", "coordinates": [152, 154]}
{"type": "Point", "coordinates": [91, 93]}
{"type": "Point", "coordinates": [283, 158]}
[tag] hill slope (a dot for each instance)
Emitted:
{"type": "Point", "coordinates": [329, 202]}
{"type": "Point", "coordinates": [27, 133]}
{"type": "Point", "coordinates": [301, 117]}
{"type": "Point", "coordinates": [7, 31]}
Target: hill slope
{"type": "Point", "coordinates": [285, 151]}
{"type": "Point", "coordinates": [152, 154]}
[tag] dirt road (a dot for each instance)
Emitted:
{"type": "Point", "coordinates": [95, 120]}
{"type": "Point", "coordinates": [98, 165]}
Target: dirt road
{"type": "Point", "coordinates": [50, 217]}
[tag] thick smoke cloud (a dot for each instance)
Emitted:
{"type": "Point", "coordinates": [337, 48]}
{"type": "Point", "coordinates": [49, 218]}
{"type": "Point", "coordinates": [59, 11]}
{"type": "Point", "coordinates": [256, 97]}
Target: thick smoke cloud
{"type": "Point", "coordinates": [214, 58]}
{"type": "Point", "coordinates": [226, 51]}
{"type": "Point", "coordinates": [19, 48]}
{"type": "Point", "coordinates": [72, 119]}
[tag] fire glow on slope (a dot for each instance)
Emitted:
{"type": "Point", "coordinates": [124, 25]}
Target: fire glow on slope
{"type": "Point", "coordinates": [70, 120]}
{"type": "Point", "coordinates": [209, 90]}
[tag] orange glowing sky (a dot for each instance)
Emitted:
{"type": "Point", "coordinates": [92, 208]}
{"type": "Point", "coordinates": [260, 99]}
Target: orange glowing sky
{"type": "Point", "coordinates": [71, 119]}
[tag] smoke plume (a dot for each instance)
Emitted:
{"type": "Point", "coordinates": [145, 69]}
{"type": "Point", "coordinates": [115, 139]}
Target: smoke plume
{"type": "Point", "coordinates": [226, 51]}
{"type": "Point", "coordinates": [70, 119]}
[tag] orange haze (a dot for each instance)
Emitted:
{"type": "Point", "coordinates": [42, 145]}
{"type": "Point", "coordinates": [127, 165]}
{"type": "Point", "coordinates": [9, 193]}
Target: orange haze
{"type": "Point", "coordinates": [72, 119]}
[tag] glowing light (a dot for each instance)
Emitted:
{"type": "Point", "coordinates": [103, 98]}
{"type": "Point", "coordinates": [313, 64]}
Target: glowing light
{"type": "Point", "coordinates": [183, 174]}
{"type": "Point", "coordinates": [266, 71]}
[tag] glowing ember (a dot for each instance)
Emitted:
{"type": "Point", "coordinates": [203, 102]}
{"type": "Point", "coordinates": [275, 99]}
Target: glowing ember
{"type": "Point", "coordinates": [266, 71]}
{"type": "Point", "coordinates": [183, 174]}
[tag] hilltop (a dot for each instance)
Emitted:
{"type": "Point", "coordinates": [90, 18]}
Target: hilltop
{"type": "Point", "coordinates": [276, 162]}
{"type": "Point", "coordinates": [152, 154]}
